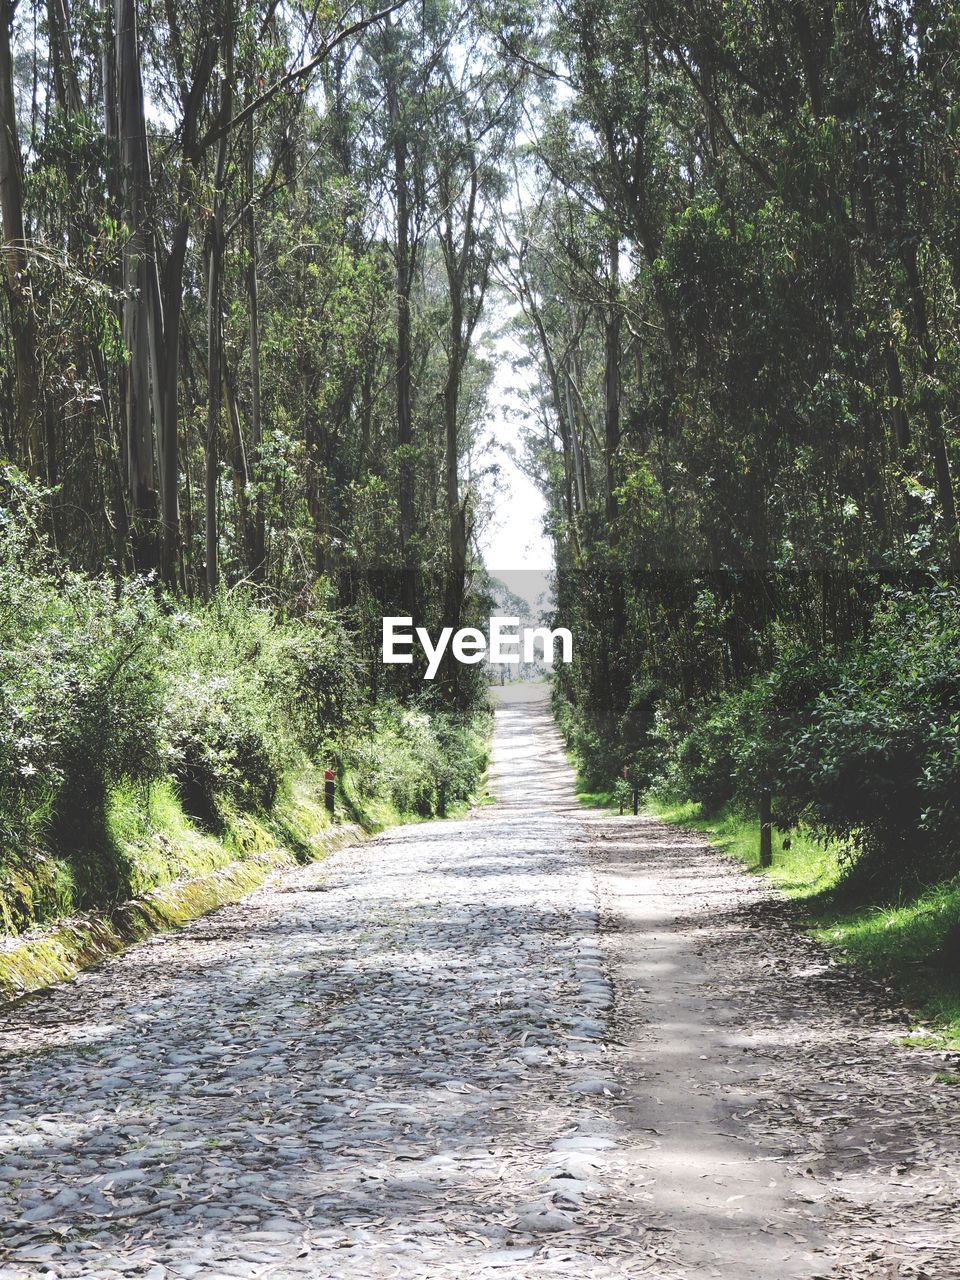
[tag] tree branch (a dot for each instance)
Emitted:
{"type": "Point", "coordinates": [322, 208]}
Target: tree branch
{"type": "Point", "coordinates": [297, 73]}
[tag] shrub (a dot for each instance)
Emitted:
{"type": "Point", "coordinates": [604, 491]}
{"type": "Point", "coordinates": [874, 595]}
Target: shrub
{"type": "Point", "coordinates": [462, 750]}
{"type": "Point", "coordinates": [230, 722]}
{"type": "Point", "coordinates": [709, 760]}
{"type": "Point", "coordinates": [107, 687]}
{"type": "Point", "coordinates": [420, 762]}
{"type": "Point", "coordinates": [877, 763]}
{"type": "Point", "coordinates": [80, 712]}
{"type": "Point", "coordinates": [603, 749]}
{"type": "Point", "coordinates": [80, 698]}
{"type": "Point", "coordinates": [325, 679]}
{"type": "Point", "coordinates": [863, 746]}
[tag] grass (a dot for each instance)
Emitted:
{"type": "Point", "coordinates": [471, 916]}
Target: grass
{"type": "Point", "coordinates": [807, 870]}
{"type": "Point", "coordinates": [156, 840]}
{"type": "Point", "coordinates": [156, 867]}
{"type": "Point", "coordinates": [899, 941]}
{"type": "Point", "coordinates": [600, 800]}
{"type": "Point", "coordinates": [894, 941]}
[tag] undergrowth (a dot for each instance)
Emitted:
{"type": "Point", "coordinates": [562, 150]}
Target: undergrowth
{"type": "Point", "coordinates": [145, 739]}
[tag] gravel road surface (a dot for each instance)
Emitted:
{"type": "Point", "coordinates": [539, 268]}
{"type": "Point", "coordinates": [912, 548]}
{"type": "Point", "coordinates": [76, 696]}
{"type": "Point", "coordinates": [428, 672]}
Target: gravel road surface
{"type": "Point", "coordinates": [536, 1042]}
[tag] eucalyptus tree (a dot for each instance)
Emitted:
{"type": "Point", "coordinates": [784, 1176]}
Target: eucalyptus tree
{"type": "Point", "coordinates": [736, 267]}
{"type": "Point", "coordinates": [473, 128]}
{"type": "Point", "coordinates": [398, 80]}
{"type": "Point", "coordinates": [440, 140]}
{"type": "Point", "coordinates": [16, 263]}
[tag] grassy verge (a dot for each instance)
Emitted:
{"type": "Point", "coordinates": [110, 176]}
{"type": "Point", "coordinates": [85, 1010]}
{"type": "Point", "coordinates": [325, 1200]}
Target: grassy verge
{"type": "Point", "coordinates": [896, 942]}
{"type": "Point", "coordinates": [171, 871]}
{"type": "Point", "coordinates": [154, 866]}
{"type": "Point", "coordinates": [807, 870]}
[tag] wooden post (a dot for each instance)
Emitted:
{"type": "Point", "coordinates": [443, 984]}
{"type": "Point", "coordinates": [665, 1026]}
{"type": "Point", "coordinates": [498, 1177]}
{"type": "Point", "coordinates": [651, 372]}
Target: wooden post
{"type": "Point", "coordinates": [329, 789]}
{"type": "Point", "coordinates": [766, 830]}
{"type": "Point", "coordinates": [636, 799]}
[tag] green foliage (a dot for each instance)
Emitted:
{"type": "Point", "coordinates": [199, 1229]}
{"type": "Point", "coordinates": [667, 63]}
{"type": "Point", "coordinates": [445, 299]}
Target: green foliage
{"type": "Point", "coordinates": [120, 709]}
{"type": "Point", "coordinates": [421, 764]}
{"type": "Point", "coordinates": [81, 691]}
{"type": "Point", "coordinates": [739, 278]}
{"type": "Point", "coordinates": [862, 747]}
{"type": "Point", "coordinates": [604, 748]}
{"type": "Point", "coordinates": [876, 761]}
{"type": "Point", "coordinates": [714, 759]}
{"type": "Point", "coordinates": [229, 723]}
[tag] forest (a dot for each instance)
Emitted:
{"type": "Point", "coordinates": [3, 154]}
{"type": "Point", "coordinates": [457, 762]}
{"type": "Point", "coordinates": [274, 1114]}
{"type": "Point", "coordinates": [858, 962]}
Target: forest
{"type": "Point", "coordinates": [738, 276]}
{"type": "Point", "coordinates": [257, 257]}
{"type": "Point", "coordinates": [246, 253]}
{"type": "Point", "coordinates": [643, 964]}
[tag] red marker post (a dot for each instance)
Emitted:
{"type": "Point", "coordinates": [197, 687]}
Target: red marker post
{"type": "Point", "coordinates": [329, 789]}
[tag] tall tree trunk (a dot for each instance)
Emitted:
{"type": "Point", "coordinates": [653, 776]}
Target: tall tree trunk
{"type": "Point", "coordinates": [456, 516]}
{"type": "Point", "coordinates": [238, 449]}
{"type": "Point", "coordinates": [467, 270]}
{"type": "Point", "coordinates": [65, 83]}
{"type": "Point", "coordinates": [405, 265]}
{"type": "Point", "coordinates": [214, 385]}
{"type": "Point", "coordinates": [113, 410]}
{"type": "Point", "coordinates": [170, 290]}
{"type": "Point", "coordinates": [138, 322]}
{"type": "Point", "coordinates": [579, 470]}
{"type": "Point", "coordinates": [169, 378]}
{"type": "Point", "coordinates": [573, 478]}
{"type": "Point", "coordinates": [15, 255]}
{"type": "Point", "coordinates": [258, 529]}
{"type": "Point", "coordinates": [611, 379]}
{"type": "Point", "coordinates": [215, 250]}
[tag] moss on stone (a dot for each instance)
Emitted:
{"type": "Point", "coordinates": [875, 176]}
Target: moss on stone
{"type": "Point", "coordinates": [250, 853]}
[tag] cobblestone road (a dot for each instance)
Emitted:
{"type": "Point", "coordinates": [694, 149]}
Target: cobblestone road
{"type": "Point", "coordinates": [392, 1063]}
{"type": "Point", "coordinates": [404, 1061]}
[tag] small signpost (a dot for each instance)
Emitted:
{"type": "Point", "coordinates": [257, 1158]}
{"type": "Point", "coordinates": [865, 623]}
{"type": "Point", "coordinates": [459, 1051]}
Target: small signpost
{"type": "Point", "coordinates": [634, 791]}
{"type": "Point", "coordinates": [329, 789]}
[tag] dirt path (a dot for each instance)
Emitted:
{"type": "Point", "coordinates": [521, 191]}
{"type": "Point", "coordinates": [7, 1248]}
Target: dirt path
{"type": "Point", "coordinates": [785, 1111]}
{"type": "Point", "coordinates": [537, 1042]}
